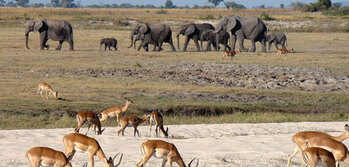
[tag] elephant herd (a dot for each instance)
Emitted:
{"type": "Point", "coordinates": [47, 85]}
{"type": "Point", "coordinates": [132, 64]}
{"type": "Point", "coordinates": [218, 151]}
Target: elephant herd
{"type": "Point", "coordinates": [235, 28]}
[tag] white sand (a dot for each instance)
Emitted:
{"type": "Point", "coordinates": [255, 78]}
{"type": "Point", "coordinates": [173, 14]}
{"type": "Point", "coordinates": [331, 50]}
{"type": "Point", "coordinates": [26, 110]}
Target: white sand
{"type": "Point", "coordinates": [215, 144]}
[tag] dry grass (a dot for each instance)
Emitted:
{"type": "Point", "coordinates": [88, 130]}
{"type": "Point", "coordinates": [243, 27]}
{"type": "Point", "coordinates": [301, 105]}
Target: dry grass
{"type": "Point", "coordinates": [22, 69]}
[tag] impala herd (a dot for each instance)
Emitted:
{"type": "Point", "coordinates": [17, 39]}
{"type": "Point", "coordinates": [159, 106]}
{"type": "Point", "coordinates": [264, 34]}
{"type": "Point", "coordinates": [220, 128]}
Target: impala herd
{"type": "Point", "coordinates": [317, 148]}
{"type": "Point", "coordinates": [73, 142]}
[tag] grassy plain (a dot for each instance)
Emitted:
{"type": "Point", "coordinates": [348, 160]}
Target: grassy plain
{"type": "Point", "coordinates": [22, 69]}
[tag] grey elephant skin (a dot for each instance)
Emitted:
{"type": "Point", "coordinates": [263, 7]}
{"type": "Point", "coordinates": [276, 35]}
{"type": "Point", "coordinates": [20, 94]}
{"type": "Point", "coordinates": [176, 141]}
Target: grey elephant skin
{"type": "Point", "coordinates": [56, 30]}
{"type": "Point", "coordinates": [140, 37]}
{"type": "Point", "coordinates": [108, 42]}
{"type": "Point", "coordinates": [192, 31]}
{"type": "Point", "coordinates": [153, 33]}
{"type": "Point", "coordinates": [241, 28]}
{"type": "Point", "coordinates": [210, 37]}
{"type": "Point", "coordinates": [278, 38]}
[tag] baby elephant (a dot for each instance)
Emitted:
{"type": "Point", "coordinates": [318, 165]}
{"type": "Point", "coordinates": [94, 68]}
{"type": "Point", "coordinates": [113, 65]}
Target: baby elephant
{"type": "Point", "coordinates": [108, 42]}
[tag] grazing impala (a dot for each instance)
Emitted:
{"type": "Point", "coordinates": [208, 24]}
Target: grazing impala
{"type": "Point", "coordinates": [115, 111]}
{"type": "Point", "coordinates": [338, 149]}
{"type": "Point", "coordinates": [77, 141]}
{"type": "Point", "coordinates": [156, 117]}
{"type": "Point", "coordinates": [230, 53]}
{"type": "Point", "coordinates": [284, 51]}
{"type": "Point", "coordinates": [300, 139]}
{"type": "Point", "coordinates": [45, 156]}
{"type": "Point", "coordinates": [163, 150]}
{"type": "Point", "coordinates": [131, 121]}
{"type": "Point", "coordinates": [315, 156]}
{"type": "Point", "coordinates": [91, 119]}
{"type": "Point", "coordinates": [48, 90]}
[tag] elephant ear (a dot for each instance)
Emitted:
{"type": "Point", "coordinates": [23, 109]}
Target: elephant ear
{"type": "Point", "coordinates": [38, 24]}
{"type": "Point", "coordinates": [231, 24]}
{"type": "Point", "coordinates": [190, 29]}
{"type": "Point", "coordinates": [143, 28]}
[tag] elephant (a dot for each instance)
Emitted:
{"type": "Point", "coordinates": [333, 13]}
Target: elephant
{"type": "Point", "coordinates": [241, 28]}
{"type": "Point", "coordinates": [140, 37]}
{"type": "Point", "coordinates": [192, 31]}
{"type": "Point", "coordinates": [153, 33]}
{"type": "Point", "coordinates": [57, 30]}
{"type": "Point", "coordinates": [108, 42]}
{"type": "Point", "coordinates": [210, 36]}
{"type": "Point", "coordinates": [277, 38]}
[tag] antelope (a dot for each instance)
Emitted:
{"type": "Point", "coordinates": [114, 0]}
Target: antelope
{"type": "Point", "coordinates": [48, 90]}
{"type": "Point", "coordinates": [91, 119]}
{"type": "Point", "coordinates": [45, 156]}
{"type": "Point", "coordinates": [300, 139]}
{"type": "Point", "coordinates": [156, 117]}
{"type": "Point", "coordinates": [230, 53]}
{"type": "Point", "coordinates": [163, 150]}
{"type": "Point", "coordinates": [284, 51]}
{"type": "Point", "coordinates": [131, 121]}
{"type": "Point", "coordinates": [77, 141]}
{"type": "Point", "coordinates": [337, 148]}
{"type": "Point", "coordinates": [314, 156]}
{"type": "Point", "coordinates": [115, 111]}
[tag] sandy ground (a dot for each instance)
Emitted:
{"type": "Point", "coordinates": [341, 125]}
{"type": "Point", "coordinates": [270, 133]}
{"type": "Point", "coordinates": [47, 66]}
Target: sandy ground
{"type": "Point", "coordinates": [220, 145]}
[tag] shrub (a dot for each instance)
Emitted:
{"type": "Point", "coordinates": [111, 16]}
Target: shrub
{"type": "Point", "coordinates": [206, 17]}
{"type": "Point", "coordinates": [161, 11]}
{"type": "Point", "coordinates": [265, 16]}
{"type": "Point", "coordinates": [337, 11]}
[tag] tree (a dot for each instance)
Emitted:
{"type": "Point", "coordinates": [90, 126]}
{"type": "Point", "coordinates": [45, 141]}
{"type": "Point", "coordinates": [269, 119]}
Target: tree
{"type": "Point", "coordinates": [326, 3]}
{"type": "Point", "coordinates": [297, 5]}
{"type": "Point", "coordinates": [22, 3]}
{"type": "Point", "coordinates": [68, 4]}
{"type": "Point", "coordinates": [37, 5]}
{"type": "Point", "coordinates": [233, 5]}
{"type": "Point", "coordinates": [282, 6]}
{"type": "Point", "coordinates": [262, 7]}
{"type": "Point", "coordinates": [55, 3]}
{"type": "Point", "coordinates": [168, 4]}
{"type": "Point", "coordinates": [215, 2]}
{"type": "Point", "coordinates": [2, 2]}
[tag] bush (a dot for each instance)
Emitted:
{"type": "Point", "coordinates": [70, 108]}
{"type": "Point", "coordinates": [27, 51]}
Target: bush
{"type": "Point", "coordinates": [206, 17]}
{"type": "Point", "coordinates": [313, 7]}
{"type": "Point", "coordinates": [265, 16]}
{"type": "Point", "coordinates": [337, 11]}
{"type": "Point", "coordinates": [161, 11]}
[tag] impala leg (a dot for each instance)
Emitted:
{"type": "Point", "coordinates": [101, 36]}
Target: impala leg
{"type": "Point", "coordinates": [163, 163]}
{"type": "Point", "coordinates": [91, 161]}
{"type": "Point", "coordinates": [170, 162]}
{"type": "Point", "coordinates": [145, 159]}
{"type": "Point", "coordinates": [151, 124]}
{"type": "Point", "coordinates": [88, 128]}
{"type": "Point", "coordinates": [157, 130]}
{"type": "Point", "coordinates": [296, 150]}
{"type": "Point", "coordinates": [79, 126]}
{"type": "Point", "coordinates": [46, 95]}
{"type": "Point", "coordinates": [94, 129]}
{"type": "Point", "coordinates": [122, 130]}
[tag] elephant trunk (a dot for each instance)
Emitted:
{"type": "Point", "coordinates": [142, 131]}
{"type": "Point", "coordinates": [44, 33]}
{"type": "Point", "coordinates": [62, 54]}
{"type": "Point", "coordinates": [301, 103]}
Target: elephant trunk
{"type": "Point", "coordinates": [27, 38]}
{"type": "Point", "coordinates": [217, 40]}
{"type": "Point", "coordinates": [132, 34]}
{"type": "Point", "coordinates": [178, 39]}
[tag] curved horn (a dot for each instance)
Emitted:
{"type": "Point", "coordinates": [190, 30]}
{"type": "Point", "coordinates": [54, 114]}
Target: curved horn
{"type": "Point", "coordinates": [119, 159]}
{"type": "Point", "coordinates": [85, 164]}
{"type": "Point", "coordinates": [191, 162]}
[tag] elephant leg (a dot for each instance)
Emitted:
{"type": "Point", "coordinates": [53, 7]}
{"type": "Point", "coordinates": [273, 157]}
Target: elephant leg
{"type": "Point", "coordinates": [159, 46]}
{"type": "Point", "coordinates": [264, 45]}
{"type": "Point", "coordinates": [197, 44]}
{"type": "Point", "coordinates": [154, 49]}
{"type": "Point", "coordinates": [71, 44]}
{"type": "Point", "coordinates": [172, 46]}
{"type": "Point", "coordinates": [232, 42]}
{"type": "Point", "coordinates": [43, 40]}
{"type": "Point", "coordinates": [59, 45]}
{"type": "Point", "coordinates": [46, 46]}
{"type": "Point", "coordinates": [241, 45]}
{"type": "Point", "coordinates": [253, 46]}
{"type": "Point", "coordinates": [186, 44]}
{"type": "Point", "coordinates": [276, 45]}
{"type": "Point", "coordinates": [283, 45]}
{"type": "Point", "coordinates": [105, 47]}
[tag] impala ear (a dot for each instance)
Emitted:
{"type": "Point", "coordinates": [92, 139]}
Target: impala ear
{"type": "Point", "coordinates": [346, 127]}
{"type": "Point", "coordinates": [85, 164]}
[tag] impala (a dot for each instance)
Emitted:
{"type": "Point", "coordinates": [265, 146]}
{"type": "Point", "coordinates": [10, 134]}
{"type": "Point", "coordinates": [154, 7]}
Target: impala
{"type": "Point", "coordinates": [91, 119]}
{"type": "Point", "coordinates": [284, 51]}
{"type": "Point", "coordinates": [163, 150]}
{"type": "Point", "coordinates": [337, 148]}
{"type": "Point", "coordinates": [46, 157]}
{"type": "Point", "coordinates": [156, 117]}
{"type": "Point", "coordinates": [315, 156]}
{"type": "Point", "coordinates": [131, 121]}
{"type": "Point", "coordinates": [300, 139]}
{"type": "Point", "coordinates": [77, 141]}
{"type": "Point", "coordinates": [230, 53]}
{"type": "Point", "coordinates": [48, 90]}
{"type": "Point", "coordinates": [115, 111]}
